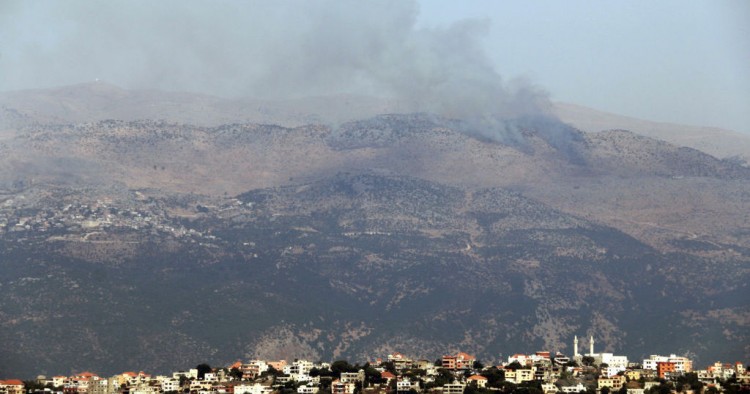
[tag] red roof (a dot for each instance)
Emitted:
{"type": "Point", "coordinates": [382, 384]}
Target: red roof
{"type": "Point", "coordinates": [86, 374]}
{"type": "Point", "coordinates": [465, 356]}
{"type": "Point", "coordinates": [387, 375]}
{"type": "Point", "coordinates": [12, 382]}
{"type": "Point", "coordinates": [477, 377]}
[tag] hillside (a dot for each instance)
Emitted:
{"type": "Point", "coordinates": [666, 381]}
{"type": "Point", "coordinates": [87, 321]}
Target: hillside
{"type": "Point", "coordinates": [162, 243]}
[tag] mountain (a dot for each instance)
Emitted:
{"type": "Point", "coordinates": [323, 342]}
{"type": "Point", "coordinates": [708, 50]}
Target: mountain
{"type": "Point", "coordinates": [712, 140]}
{"type": "Point", "coordinates": [155, 244]}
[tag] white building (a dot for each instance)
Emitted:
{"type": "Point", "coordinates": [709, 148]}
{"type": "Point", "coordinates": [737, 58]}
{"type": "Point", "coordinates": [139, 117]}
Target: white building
{"type": "Point", "coordinates": [573, 389]}
{"type": "Point", "coordinates": [255, 388]}
{"type": "Point", "coordinates": [170, 384]}
{"type": "Point", "coordinates": [352, 377]}
{"type": "Point", "coordinates": [307, 389]}
{"type": "Point", "coordinates": [681, 364]}
{"type": "Point", "coordinates": [453, 388]}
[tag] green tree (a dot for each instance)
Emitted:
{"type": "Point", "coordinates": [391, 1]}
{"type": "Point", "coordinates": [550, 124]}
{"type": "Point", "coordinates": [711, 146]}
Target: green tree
{"type": "Point", "coordinates": [494, 376]}
{"type": "Point", "coordinates": [235, 374]}
{"type": "Point", "coordinates": [339, 366]}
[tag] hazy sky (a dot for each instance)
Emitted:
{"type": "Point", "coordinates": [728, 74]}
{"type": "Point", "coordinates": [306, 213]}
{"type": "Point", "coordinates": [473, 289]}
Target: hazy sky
{"type": "Point", "coordinates": [678, 61]}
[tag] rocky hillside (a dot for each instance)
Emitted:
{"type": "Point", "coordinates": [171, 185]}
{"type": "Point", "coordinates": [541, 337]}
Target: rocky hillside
{"type": "Point", "coordinates": [144, 244]}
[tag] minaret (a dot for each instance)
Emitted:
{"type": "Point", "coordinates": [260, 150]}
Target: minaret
{"type": "Point", "coordinates": [591, 346]}
{"type": "Point", "coordinates": [575, 346]}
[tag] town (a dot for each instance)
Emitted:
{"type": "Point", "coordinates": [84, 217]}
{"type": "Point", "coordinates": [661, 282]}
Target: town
{"type": "Point", "coordinates": [461, 373]}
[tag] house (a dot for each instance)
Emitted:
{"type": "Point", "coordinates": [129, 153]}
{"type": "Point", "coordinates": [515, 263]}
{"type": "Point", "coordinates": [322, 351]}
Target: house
{"type": "Point", "coordinates": [347, 377]}
{"type": "Point", "coordinates": [12, 386]}
{"type": "Point", "coordinates": [478, 380]}
{"type": "Point", "coordinates": [613, 382]}
{"type": "Point", "coordinates": [339, 387]}
{"type": "Point", "coordinates": [681, 364]}
{"type": "Point", "coordinates": [460, 361]}
{"type": "Point", "coordinates": [307, 389]}
{"type": "Point", "coordinates": [665, 368]}
{"type": "Point", "coordinates": [549, 388]}
{"type": "Point", "coordinates": [388, 376]}
{"type": "Point", "coordinates": [104, 386]}
{"type": "Point", "coordinates": [519, 375]}
{"type": "Point", "coordinates": [211, 377]}
{"type": "Point", "coordinates": [59, 381]}
{"type": "Point", "coordinates": [449, 362]}
{"type": "Point", "coordinates": [454, 388]}
{"type": "Point", "coordinates": [633, 374]}
{"type": "Point", "coordinates": [573, 389]}
{"type": "Point", "coordinates": [277, 365]}
{"type": "Point", "coordinates": [406, 384]}
{"type": "Point", "coordinates": [253, 369]}
{"type": "Point", "coordinates": [254, 388]}
{"type": "Point", "coordinates": [400, 361]}
{"type": "Point", "coordinates": [170, 384]}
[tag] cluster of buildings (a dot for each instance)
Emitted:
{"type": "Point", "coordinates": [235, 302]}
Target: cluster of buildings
{"type": "Point", "coordinates": [451, 374]}
{"type": "Point", "coordinates": [71, 217]}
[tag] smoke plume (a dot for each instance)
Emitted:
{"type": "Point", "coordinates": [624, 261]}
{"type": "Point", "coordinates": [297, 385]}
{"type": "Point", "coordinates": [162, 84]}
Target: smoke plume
{"type": "Point", "coordinates": [266, 49]}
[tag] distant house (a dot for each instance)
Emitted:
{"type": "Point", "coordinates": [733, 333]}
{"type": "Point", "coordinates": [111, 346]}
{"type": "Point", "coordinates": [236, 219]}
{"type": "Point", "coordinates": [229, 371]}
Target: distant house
{"type": "Point", "coordinates": [614, 382]}
{"type": "Point", "coordinates": [307, 389]}
{"type": "Point", "coordinates": [388, 376]}
{"type": "Point", "coordinates": [12, 386]}
{"type": "Point", "coordinates": [254, 388]}
{"type": "Point", "coordinates": [573, 389]}
{"type": "Point", "coordinates": [339, 387]}
{"type": "Point", "coordinates": [479, 380]}
{"type": "Point", "coordinates": [460, 361]}
{"type": "Point", "coordinates": [453, 388]}
{"type": "Point", "coordinates": [353, 377]}
{"type": "Point", "coordinates": [404, 385]}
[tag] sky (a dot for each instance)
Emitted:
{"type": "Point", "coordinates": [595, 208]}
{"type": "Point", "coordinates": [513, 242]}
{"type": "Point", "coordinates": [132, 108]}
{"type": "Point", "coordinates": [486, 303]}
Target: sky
{"type": "Point", "coordinates": [669, 60]}
{"type": "Point", "coordinates": [675, 61]}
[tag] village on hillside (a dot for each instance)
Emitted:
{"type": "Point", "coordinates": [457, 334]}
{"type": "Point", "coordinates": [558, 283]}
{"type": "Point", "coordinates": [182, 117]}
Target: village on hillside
{"type": "Point", "coordinates": [462, 373]}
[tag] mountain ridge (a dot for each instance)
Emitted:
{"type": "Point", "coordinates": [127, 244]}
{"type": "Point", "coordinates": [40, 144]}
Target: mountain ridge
{"type": "Point", "coordinates": [155, 244]}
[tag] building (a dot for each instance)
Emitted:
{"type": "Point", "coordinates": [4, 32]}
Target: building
{"type": "Point", "coordinates": [405, 384]}
{"type": "Point", "coordinates": [522, 359]}
{"type": "Point", "coordinates": [615, 382]}
{"type": "Point", "coordinates": [11, 386]}
{"type": "Point", "coordinates": [665, 368]}
{"type": "Point", "coordinates": [460, 361]}
{"type": "Point", "coordinates": [104, 386]}
{"type": "Point", "coordinates": [353, 377]}
{"type": "Point", "coordinates": [520, 375]}
{"type": "Point", "coordinates": [682, 364]}
{"type": "Point", "coordinates": [400, 361]}
{"type": "Point", "coordinates": [307, 389]}
{"type": "Point", "coordinates": [388, 376]}
{"type": "Point", "coordinates": [454, 388]}
{"type": "Point", "coordinates": [573, 389]}
{"type": "Point", "coordinates": [478, 380]}
{"type": "Point", "coordinates": [339, 387]}
{"type": "Point", "coordinates": [255, 388]}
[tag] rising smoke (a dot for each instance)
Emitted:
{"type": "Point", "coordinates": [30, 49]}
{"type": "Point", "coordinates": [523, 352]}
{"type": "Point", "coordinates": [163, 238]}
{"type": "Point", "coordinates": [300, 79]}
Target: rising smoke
{"type": "Point", "coordinates": [266, 49]}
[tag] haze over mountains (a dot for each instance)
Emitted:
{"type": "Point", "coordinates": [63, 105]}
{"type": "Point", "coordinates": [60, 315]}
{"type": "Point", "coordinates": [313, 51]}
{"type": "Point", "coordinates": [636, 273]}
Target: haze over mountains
{"type": "Point", "coordinates": [157, 229]}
